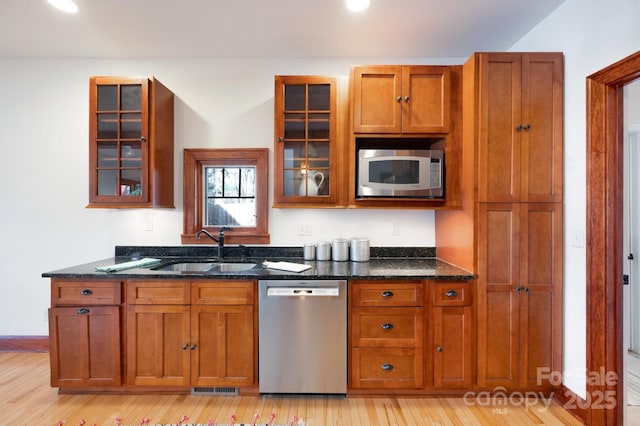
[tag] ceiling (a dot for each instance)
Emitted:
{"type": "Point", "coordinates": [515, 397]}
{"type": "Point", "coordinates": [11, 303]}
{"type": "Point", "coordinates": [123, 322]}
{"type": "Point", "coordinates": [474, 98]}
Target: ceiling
{"type": "Point", "coordinates": [265, 28]}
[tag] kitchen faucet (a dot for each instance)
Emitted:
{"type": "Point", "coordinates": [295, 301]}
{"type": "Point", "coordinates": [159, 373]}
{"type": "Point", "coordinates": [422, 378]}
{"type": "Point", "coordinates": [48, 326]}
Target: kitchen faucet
{"type": "Point", "coordinates": [219, 239]}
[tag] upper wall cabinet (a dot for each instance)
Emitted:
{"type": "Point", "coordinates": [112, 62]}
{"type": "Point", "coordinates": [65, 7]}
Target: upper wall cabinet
{"type": "Point", "coordinates": [401, 99]}
{"type": "Point", "coordinates": [130, 143]}
{"type": "Point", "coordinates": [309, 142]}
{"type": "Point", "coordinates": [519, 126]}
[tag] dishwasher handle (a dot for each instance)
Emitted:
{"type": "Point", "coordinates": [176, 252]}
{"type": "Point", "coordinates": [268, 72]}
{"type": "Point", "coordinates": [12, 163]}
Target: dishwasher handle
{"type": "Point", "coordinates": [303, 291]}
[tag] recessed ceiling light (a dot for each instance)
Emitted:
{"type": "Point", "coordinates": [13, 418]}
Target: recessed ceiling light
{"type": "Point", "coordinates": [68, 6]}
{"type": "Point", "coordinates": [358, 5]}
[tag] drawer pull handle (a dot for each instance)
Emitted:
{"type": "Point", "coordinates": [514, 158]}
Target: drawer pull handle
{"type": "Point", "coordinates": [387, 326]}
{"type": "Point", "coordinates": [451, 293]}
{"type": "Point", "coordinates": [387, 367]}
{"type": "Point", "coordinates": [387, 293]}
{"type": "Point", "coordinates": [83, 311]}
{"type": "Point", "coordinates": [86, 292]}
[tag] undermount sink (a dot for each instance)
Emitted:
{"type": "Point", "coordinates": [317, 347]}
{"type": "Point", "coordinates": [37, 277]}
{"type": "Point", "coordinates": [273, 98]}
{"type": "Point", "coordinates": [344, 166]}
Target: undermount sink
{"type": "Point", "coordinates": [206, 266]}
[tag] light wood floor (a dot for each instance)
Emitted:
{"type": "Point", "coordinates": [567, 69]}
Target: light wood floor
{"type": "Point", "coordinates": [26, 398]}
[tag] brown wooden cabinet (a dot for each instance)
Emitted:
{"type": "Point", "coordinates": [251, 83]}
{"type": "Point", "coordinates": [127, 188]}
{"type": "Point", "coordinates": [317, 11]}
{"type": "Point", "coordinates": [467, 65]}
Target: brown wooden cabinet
{"type": "Point", "coordinates": [84, 333]}
{"type": "Point", "coordinates": [310, 141]}
{"type": "Point", "coordinates": [520, 126]}
{"type": "Point", "coordinates": [198, 333]}
{"type": "Point", "coordinates": [510, 228]}
{"type": "Point", "coordinates": [130, 143]}
{"type": "Point", "coordinates": [401, 99]}
{"type": "Point", "coordinates": [452, 326]}
{"type": "Point", "coordinates": [386, 335]}
{"type": "Point", "coordinates": [519, 294]}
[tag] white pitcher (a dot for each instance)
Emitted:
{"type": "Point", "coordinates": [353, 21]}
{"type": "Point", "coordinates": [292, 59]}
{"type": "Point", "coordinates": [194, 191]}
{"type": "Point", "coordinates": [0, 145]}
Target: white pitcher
{"type": "Point", "coordinates": [310, 185]}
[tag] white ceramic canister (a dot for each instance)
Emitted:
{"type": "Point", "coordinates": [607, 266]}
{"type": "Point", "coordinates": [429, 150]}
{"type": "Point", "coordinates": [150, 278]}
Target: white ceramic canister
{"type": "Point", "coordinates": [360, 250]}
{"type": "Point", "coordinates": [323, 251]}
{"type": "Point", "coordinates": [340, 250]}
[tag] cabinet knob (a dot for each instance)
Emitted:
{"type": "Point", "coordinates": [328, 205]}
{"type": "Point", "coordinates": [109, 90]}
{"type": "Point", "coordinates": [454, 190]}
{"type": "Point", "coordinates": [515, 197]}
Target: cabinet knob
{"type": "Point", "coordinates": [280, 138]}
{"type": "Point", "coordinates": [184, 347]}
{"type": "Point", "coordinates": [193, 347]}
{"type": "Point", "coordinates": [86, 292]}
{"type": "Point", "coordinates": [387, 367]}
{"type": "Point", "coordinates": [519, 128]}
{"type": "Point", "coordinates": [406, 98]}
{"type": "Point", "coordinates": [399, 99]}
{"type": "Point", "coordinates": [526, 127]}
{"type": "Point", "coordinates": [438, 348]}
{"type": "Point", "coordinates": [142, 139]}
{"type": "Point", "coordinates": [387, 326]}
{"type": "Point", "coordinates": [451, 293]}
{"type": "Point", "coordinates": [83, 311]}
{"type": "Point", "coordinates": [387, 293]}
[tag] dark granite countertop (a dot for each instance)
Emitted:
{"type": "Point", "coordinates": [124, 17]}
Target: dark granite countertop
{"type": "Point", "coordinates": [384, 263]}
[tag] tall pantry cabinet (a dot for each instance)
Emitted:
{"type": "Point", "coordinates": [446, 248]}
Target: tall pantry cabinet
{"type": "Point", "coordinates": [509, 231]}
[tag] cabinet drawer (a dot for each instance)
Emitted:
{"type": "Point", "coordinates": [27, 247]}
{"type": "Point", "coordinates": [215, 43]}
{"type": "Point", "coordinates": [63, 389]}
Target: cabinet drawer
{"type": "Point", "coordinates": [66, 293]}
{"type": "Point", "coordinates": [389, 368]}
{"type": "Point", "coordinates": [223, 293]}
{"type": "Point", "coordinates": [162, 292]}
{"type": "Point", "coordinates": [387, 327]}
{"type": "Point", "coordinates": [387, 294]}
{"type": "Point", "coordinates": [451, 294]}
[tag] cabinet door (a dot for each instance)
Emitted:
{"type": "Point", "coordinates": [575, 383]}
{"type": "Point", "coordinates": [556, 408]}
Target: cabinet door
{"type": "Point", "coordinates": [85, 346]}
{"type": "Point", "coordinates": [426, 99]}
{"type": "Point", "coordinates": [223, 337]}
{"type": "Point", "coordinates": [306, 140]}
{"type": "Point", "coordinates": [452, 345]}
{"type": "Point", "coordinates": [542, 120]}
{"type": "Point", "coordinates": [118, 132]}
{"type": "Point", "coordinates": [520, 127]}
{"type": "Point", "coordinates": [377, 99]}
{"type": "Point", "coordinates": [498, 301]}
{"type": "Point", "coordinates": [158, 345]}
{"type": "Point", "coordinates": [541, 293]}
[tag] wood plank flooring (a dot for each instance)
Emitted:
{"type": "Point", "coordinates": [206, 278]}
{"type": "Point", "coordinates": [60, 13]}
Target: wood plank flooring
{"type": "Point", "coordinates": [26, 398]}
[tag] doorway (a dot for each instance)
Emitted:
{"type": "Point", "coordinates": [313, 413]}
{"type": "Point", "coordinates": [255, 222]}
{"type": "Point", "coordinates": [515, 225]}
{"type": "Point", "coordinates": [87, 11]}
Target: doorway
{"type": "Point", "coordinates": [605, 237]}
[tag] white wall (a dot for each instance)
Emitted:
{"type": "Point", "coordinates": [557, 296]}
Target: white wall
{"type": "Point", "coordinates": [44, 168]}
{"type": "Point", "coordinates": [592, 34]}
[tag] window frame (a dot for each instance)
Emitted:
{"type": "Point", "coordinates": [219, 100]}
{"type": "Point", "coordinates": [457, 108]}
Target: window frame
{"type": "Point", "coordinates": [193, 193]}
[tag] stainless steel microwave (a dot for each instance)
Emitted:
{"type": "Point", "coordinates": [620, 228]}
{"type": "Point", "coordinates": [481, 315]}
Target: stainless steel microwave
{"type": "Point", "coordinates": [401, 173]}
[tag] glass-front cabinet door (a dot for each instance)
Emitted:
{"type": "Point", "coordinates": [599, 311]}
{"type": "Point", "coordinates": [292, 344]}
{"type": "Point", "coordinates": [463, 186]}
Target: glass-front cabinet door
{"type": "Point", "coordinates": [130, 142]}
{"type": "Point", "coordinates": [119, 140]}
{"type": "Point", "coordinates": [305, 141]}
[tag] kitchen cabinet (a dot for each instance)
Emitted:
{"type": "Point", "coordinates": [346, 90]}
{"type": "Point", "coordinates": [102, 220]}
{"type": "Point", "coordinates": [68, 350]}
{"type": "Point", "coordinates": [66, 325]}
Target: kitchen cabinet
{"type": "Point", "coordinates": [183, 333]}
{"type": "Point", "coordinates": [84, 333]}
{"type": "Point", "coordinates": [386, 335]}
{"type": "Point", "coordinates": [520, 102]}
{"type": "Point", "coordinates": [310, 141]}
{"type": "Point", "coordinates": [452, 325]}
{"type": "Point", "coordinates": [130, 143]}
{"type": "Point", "coordinates": [519, 294]}
{"type": "Point", "coordinates": [509, 231]}
{"type": "Point", "coordinates": [401, 99]}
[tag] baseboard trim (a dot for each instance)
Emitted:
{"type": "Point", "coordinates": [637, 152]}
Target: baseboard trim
{"type": "Point", "coordinates": [571, 402]}
{"type": "Point", "coordinates": [24, 343]}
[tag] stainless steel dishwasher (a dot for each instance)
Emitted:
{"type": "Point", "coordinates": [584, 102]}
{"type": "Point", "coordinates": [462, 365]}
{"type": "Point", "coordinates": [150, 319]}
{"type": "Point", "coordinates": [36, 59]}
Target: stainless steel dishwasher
{"type": "Point", "coordinates": [302, 336]}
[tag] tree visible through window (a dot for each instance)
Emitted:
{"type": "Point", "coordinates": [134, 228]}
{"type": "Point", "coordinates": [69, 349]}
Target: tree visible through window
{"type": "Point", "coordinates": [226, 187]}
{"type": "Point", "coordinates": [230, 196]}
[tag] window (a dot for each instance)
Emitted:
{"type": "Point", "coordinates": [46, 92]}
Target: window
{"type": "Point", "coordinates": [226, 187]}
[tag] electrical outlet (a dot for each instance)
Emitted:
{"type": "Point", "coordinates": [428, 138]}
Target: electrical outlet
{"type": "Point", "coordinates": [304, 229]}
{"type": "Point", "coordinates": [395, 229]}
